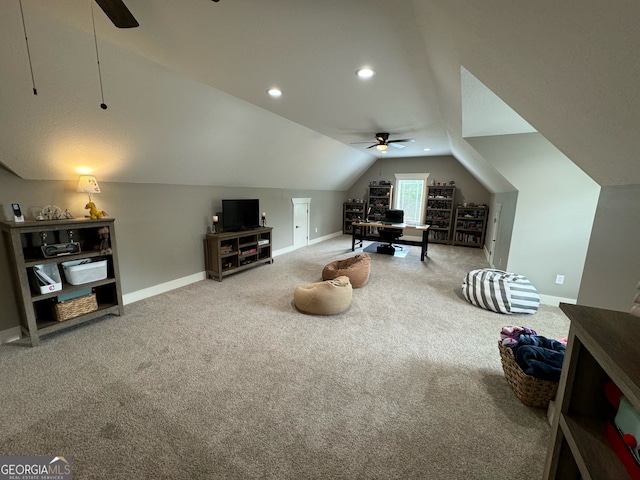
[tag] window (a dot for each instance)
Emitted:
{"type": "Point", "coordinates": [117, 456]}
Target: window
{"type": "Point", "coordinates": [411, 195]}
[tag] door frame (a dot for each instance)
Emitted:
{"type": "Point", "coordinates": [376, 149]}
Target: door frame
{"type": "Point", "coordinates": [495, 224]}
{"type": "Point", "coordinates": [300, 201]}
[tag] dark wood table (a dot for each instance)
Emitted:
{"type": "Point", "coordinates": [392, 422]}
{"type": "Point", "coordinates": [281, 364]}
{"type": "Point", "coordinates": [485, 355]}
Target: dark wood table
{"type": "Point", "coordinates": [358, 235]}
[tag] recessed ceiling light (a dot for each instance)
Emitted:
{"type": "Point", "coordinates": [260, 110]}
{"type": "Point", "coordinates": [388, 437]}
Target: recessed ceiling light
{"type": "Point", "coordinates": [427, 149]}
{"type": "Point", "coordinates": [275, 92]}
{"type": "Point", "coordinates": [365, 72]}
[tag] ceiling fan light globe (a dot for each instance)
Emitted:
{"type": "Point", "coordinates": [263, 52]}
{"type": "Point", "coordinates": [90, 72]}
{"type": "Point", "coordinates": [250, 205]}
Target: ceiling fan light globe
{"type": "Point", "coordinates": [365, 73]}
{"type": "Point", "coordinates": [382, 147]}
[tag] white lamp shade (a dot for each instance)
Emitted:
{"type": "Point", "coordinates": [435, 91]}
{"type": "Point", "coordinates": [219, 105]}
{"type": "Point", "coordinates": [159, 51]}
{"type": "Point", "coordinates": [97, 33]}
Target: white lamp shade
{"type": "Point", "coordinates": [88, 184]}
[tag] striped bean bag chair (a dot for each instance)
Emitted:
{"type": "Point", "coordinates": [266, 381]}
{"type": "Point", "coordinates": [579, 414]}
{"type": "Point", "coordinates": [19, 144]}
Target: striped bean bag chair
{"type": "Point", "coordinates": [500, 291]}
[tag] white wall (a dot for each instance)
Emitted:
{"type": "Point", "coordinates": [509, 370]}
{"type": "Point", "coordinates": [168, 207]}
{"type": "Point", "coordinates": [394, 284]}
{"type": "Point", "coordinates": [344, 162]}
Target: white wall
{"type": "Point", "coordinates": [612, 270]}
{"type": "Point", "coordinates": [554, 212]}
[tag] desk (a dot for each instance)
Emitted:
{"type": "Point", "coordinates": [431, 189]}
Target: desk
{"type": "Point", "coordinates": [359, 228]}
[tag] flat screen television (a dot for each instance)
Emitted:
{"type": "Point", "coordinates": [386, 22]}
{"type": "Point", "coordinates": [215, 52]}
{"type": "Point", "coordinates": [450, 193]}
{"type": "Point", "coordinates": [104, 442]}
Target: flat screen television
{"type": "Point", "coordinates": [240, 214]}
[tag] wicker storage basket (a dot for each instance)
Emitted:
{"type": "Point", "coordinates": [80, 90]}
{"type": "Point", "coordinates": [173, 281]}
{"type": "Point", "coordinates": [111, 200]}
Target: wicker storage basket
{"type": "Point", "coordinates": [530, 390]}
{"type": "Point", "coordinates": [73, 308]}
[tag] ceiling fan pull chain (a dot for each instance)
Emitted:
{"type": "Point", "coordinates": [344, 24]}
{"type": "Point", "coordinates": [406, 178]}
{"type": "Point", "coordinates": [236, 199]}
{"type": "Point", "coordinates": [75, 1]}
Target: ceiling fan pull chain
{"type": "Point", "coordinates": [95, 40]}
{"type": "Point", "coordinates": [24, 28]}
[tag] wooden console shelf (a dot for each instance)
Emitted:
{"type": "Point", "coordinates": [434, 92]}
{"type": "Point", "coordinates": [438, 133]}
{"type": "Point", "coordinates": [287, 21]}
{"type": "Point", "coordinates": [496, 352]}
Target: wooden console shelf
{"type": "Point", "coordinates": [231, 252]}
{"type": "Point", "coordinates": [24, 242]}
{"type": "Point", "coordinates": [470, 226]}
{"type": "Point", "coordinates": [602, 346]}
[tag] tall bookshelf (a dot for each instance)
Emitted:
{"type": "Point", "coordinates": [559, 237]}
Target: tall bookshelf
{"type": "Point", "coordinates": [352, 212]}
{"type": "Point", "coordinates": [470, 226]}
{"type": "Point", "coordinates": [440, 208]}
{"type": "Point", "coordinates": [379, 199]}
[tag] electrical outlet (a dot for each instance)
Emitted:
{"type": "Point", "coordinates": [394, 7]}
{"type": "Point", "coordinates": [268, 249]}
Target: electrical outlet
{"type": "Point", "coordinates": [316, 229]}
{"type": "Point", "coordinates": [559, 279]}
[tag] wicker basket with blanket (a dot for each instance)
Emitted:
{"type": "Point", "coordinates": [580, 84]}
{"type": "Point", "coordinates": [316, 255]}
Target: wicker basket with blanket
{"type": "Point", "coordinates": [531, 391]}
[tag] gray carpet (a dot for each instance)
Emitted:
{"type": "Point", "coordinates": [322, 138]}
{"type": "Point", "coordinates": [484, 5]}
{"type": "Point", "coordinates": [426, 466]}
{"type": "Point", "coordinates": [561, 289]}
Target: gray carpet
{"type": "Point", "coordinates": [229, 380]}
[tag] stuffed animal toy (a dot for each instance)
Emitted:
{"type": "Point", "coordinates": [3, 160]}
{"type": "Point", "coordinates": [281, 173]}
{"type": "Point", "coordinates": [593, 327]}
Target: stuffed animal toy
{"type": "Point", "coordinates": [623, 431]}
{"type": "Point", "coordinates": [94, 212]}
{"type": "Point", "coordinates": [105, 249]}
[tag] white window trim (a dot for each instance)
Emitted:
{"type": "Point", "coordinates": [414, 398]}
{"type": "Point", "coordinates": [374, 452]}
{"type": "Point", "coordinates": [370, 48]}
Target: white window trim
{"type": "Point", "coordinates": [412, 176]}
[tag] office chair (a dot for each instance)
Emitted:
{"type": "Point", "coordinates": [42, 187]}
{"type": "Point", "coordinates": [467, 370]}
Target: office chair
{"type": "Point", "coordinates": [390, 235]}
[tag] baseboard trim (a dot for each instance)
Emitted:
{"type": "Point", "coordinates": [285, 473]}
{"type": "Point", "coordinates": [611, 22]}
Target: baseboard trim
{"type": "Point", "coordinates": [196, 277]}
{"type": "Point", "coordinates": [10, 335]}
{"type": "Point", "coordinates": [555, 301]}
{"type": "Point", "coordinates": [162, 288]}
{"type": "Point", "coordinates": [325, 237]}
{"type": "Point", "coordinates": [291, 248]}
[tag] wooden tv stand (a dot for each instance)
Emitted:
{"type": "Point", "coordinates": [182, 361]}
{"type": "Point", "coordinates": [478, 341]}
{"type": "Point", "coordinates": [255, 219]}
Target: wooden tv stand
{"type": "Point", "coordinates": [230, 252]}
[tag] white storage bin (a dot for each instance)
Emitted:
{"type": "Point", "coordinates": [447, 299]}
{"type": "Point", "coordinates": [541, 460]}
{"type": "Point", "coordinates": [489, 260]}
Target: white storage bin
{"type": "Point", "coordinates": [78, 272]}
{"type": "Point", "coordinates": [47, 278]}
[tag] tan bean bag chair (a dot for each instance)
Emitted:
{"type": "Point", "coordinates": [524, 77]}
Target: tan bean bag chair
{"type": "Point", "coordinates": [324, 298]}
{"type": "Point", "coordinates": [356, 268]}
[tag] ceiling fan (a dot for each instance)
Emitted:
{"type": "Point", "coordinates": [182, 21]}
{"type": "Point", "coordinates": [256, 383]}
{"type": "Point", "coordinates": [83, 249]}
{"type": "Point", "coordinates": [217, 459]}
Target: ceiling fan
{"type": "Point", "coordinates": [384, 142]}
{"type": "Point", "coordinates": [118, 13]}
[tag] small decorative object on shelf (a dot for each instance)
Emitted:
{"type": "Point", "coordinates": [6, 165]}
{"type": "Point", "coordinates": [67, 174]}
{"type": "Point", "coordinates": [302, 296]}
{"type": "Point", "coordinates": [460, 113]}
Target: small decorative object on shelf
{"type": "Point", "coordinates": [264, 219]}
{"type": "Point", "coordinates": [103, 233]}
{"type": "Point", "coordinates": [94, 213]}
{"type": "Point", "coordinates": [214, 224]}
{"type": "Point", "coordinates": [50, 212]}
{"type": "Point", "coordinates": [17, 213]}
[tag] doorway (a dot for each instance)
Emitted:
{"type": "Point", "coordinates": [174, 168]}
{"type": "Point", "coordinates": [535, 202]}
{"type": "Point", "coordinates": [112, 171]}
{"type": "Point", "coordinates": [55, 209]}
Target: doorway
{"type": "Point", "coordinates": [301, 208]}
{"type": "Point", "coordinates": [495, 222]}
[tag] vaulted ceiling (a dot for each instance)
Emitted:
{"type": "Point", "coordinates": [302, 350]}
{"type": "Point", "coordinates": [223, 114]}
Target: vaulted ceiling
{"type": "Point", "coordinates": [187, 101]}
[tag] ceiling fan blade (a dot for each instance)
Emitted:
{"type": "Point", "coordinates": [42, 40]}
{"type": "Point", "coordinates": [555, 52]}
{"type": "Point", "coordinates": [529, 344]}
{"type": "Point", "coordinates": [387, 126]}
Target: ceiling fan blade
{"type": "Point", "coordinates": [118, 13]}
{"type": "Point", "coordinates": [374, 145]}
{"type": "Point", "coordinates": [401, 140]}
{"type": "Point", "coordinates": [395, 145]}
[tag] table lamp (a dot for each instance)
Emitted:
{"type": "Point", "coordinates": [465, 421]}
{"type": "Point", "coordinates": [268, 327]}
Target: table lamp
{"type": "Point", "coordinates": [88, 184]}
